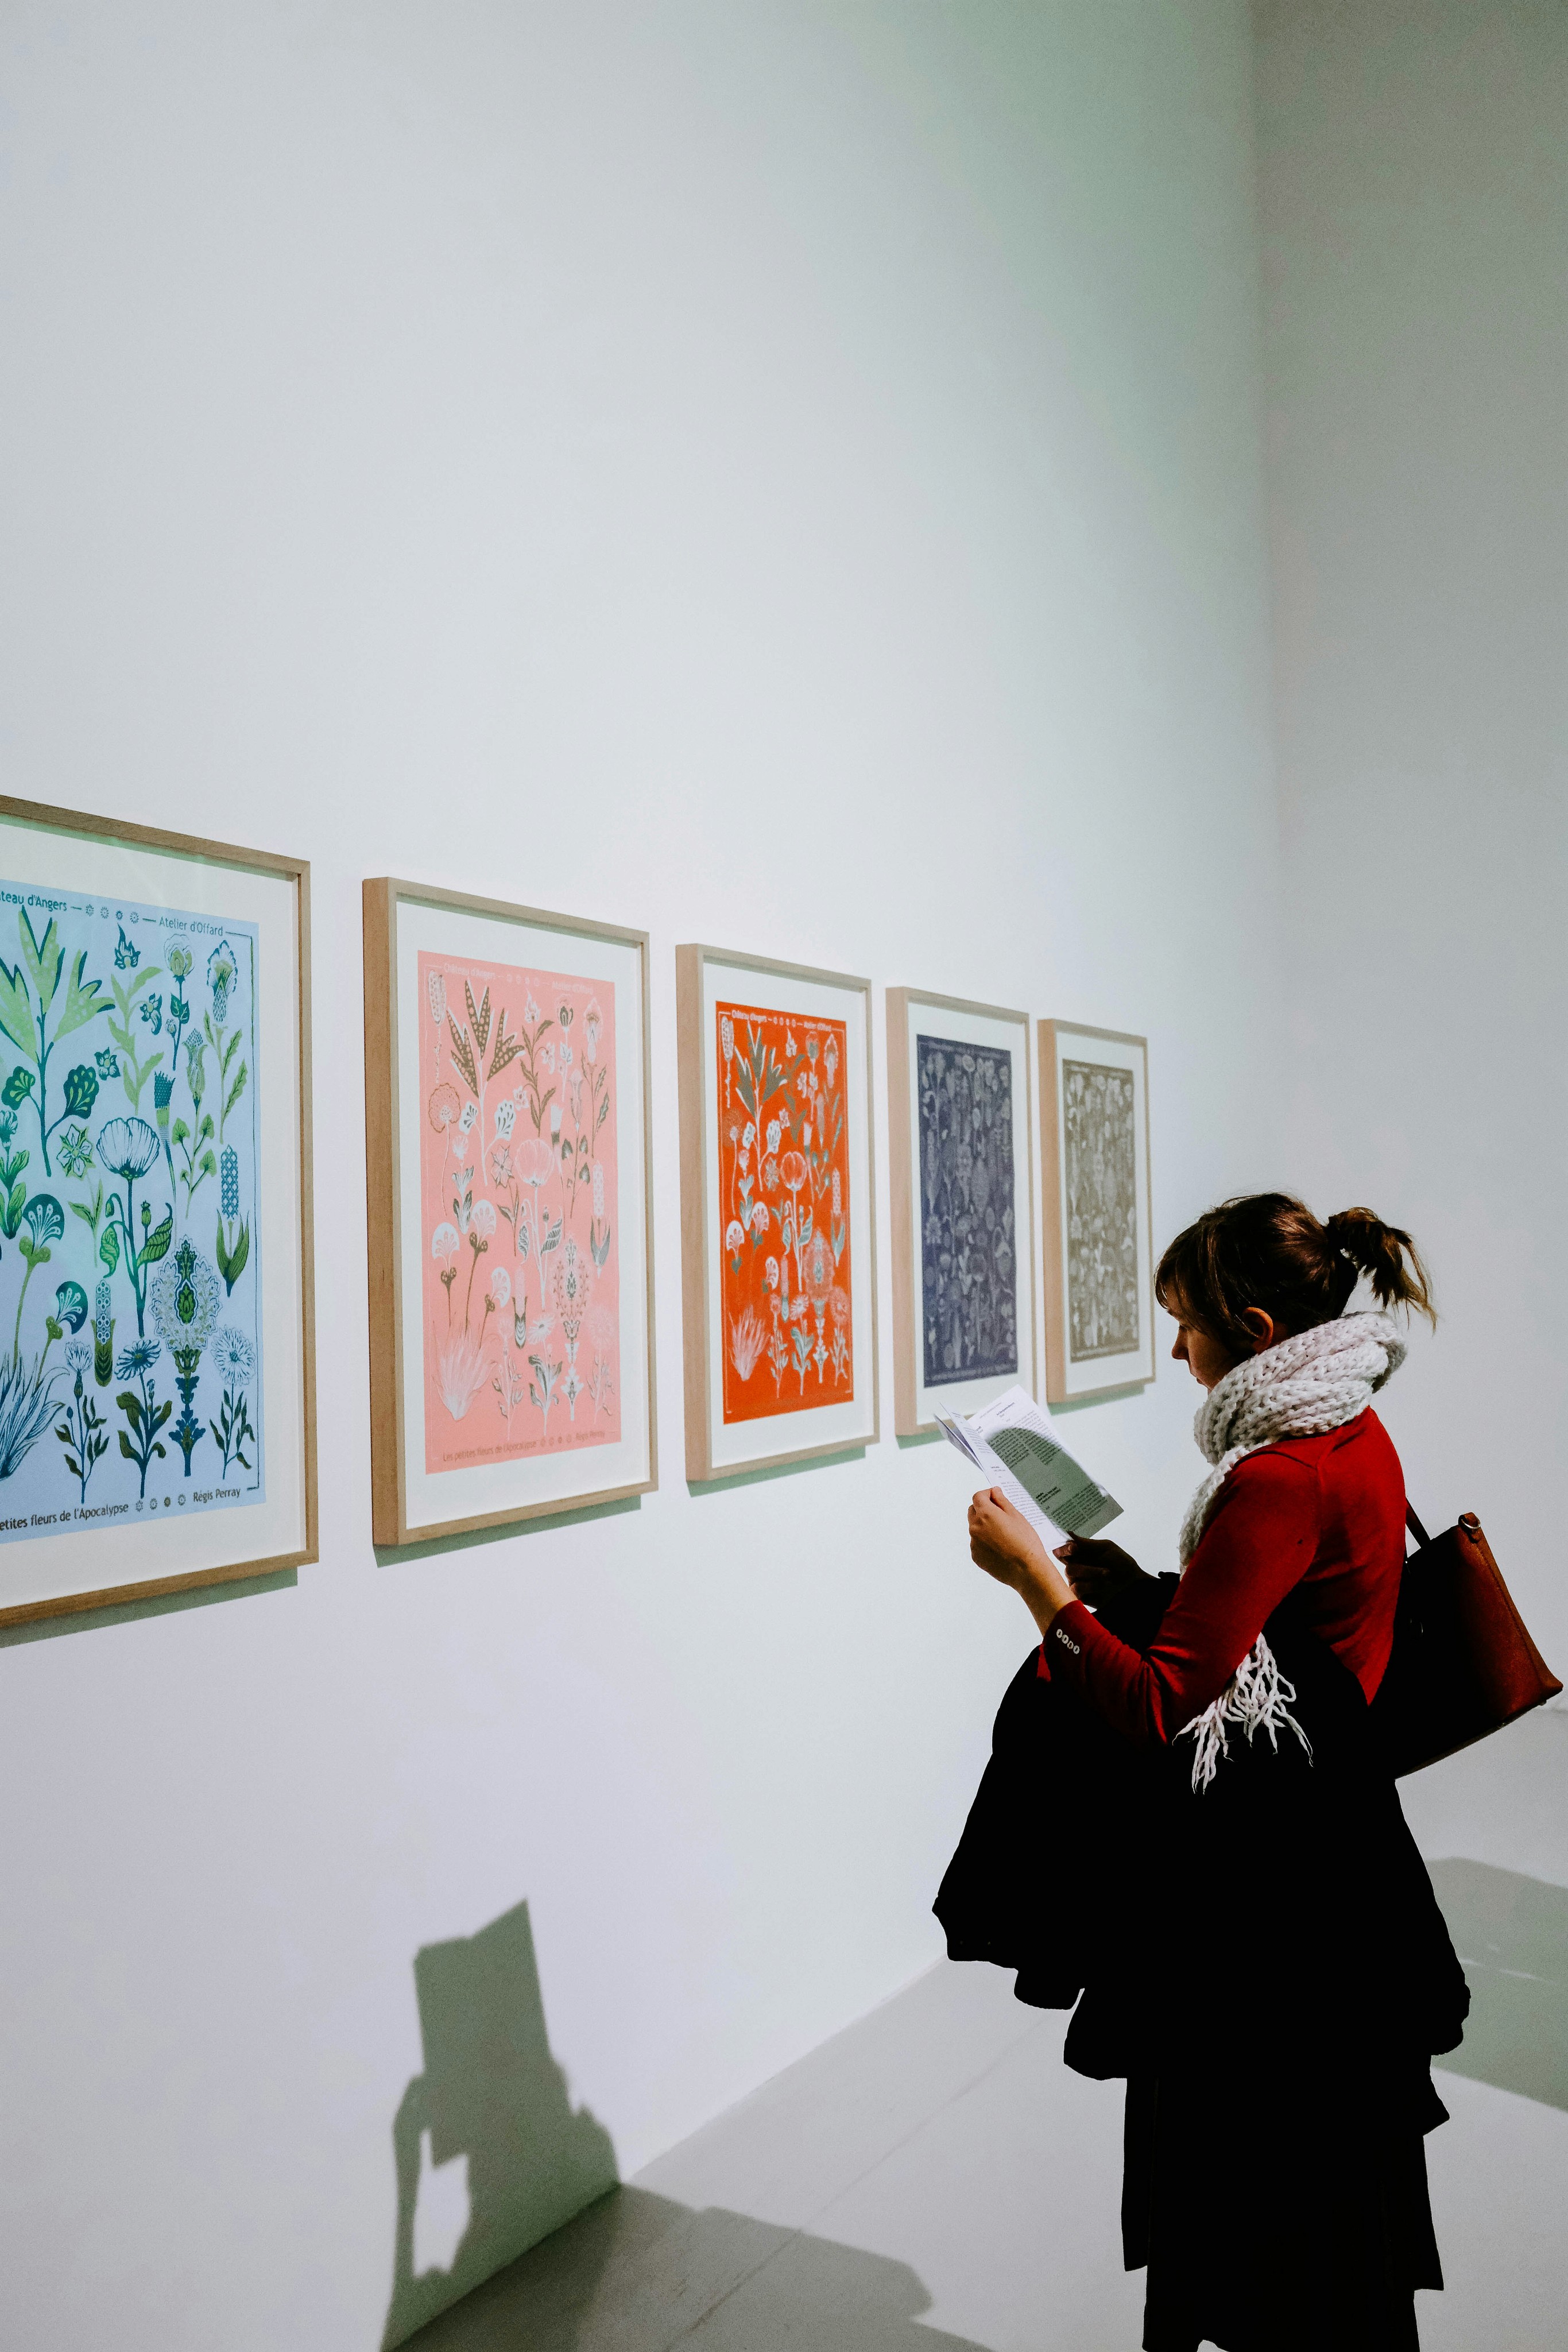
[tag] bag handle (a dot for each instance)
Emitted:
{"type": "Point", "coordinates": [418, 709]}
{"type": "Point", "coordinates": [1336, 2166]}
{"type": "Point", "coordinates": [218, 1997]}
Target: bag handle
{"type": "Point", "coordinates": [1416, 1529]}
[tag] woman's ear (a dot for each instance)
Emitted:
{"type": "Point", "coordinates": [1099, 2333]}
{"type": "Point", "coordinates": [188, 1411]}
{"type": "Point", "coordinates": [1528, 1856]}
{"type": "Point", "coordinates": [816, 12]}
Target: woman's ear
{"type": "Point", "coordinates": [1265, 1330]}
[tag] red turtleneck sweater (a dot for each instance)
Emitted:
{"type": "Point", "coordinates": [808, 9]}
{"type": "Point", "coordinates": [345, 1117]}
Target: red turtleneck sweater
{"type": "Point", "coordinates": [1325, 1513]}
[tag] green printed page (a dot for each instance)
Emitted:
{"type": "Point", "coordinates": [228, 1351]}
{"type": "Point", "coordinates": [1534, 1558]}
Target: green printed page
{"type": "Point", "coordinates": [1016, 1432]}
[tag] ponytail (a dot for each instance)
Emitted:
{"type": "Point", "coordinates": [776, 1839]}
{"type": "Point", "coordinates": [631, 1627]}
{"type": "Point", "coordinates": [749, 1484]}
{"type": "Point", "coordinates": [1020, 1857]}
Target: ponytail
{"type": "Point", "coordinates": [1387, 1256]}
{"type": "Point", "coordinates": [1267, 1250]}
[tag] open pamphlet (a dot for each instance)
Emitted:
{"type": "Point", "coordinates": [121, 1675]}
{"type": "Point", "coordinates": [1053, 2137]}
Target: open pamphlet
{"type": "Point", "coordinates": [1010, 1442]}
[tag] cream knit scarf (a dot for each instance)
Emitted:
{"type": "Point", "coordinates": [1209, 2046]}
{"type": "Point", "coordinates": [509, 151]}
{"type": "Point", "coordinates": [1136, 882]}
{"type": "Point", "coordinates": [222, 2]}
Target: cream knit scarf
{"type": "Point", "coordinates": [1319, 1379]}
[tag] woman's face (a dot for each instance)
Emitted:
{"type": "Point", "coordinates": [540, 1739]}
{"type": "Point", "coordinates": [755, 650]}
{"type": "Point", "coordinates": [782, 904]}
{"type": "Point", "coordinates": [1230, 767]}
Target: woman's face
{"type": "Point", "coordinates": [1208, 1359]}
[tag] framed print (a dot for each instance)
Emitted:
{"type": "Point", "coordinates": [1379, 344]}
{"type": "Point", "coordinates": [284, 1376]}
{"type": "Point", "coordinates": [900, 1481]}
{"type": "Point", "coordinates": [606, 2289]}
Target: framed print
{"type": "Point", "coordinates": [506, 1168]}
{"type": "Point", "coordinates": [778, 1240]}
{"type": "Point", "coordinates": [963, 1204]}
{"type": "Point", "coordinates": [157, 1371]}
{"type": "Point", "coordinates": [1099, 1259]}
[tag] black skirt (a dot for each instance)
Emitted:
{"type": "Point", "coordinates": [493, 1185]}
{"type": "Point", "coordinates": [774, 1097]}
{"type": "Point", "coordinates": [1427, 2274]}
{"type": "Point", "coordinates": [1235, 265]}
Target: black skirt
{"type": "Point", "coordinates": [1266, 1967]}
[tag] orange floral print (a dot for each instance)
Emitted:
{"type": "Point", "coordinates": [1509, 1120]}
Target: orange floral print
{"type": "Point", "coordinates": [784, 1239]}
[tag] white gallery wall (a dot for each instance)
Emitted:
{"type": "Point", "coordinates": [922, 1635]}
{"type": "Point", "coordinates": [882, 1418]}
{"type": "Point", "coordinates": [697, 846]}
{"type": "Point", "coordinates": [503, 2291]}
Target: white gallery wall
{"type": "Point", "coordinates": [1413, 174]}
{"type": "Point", "coordinates": [778, 475]}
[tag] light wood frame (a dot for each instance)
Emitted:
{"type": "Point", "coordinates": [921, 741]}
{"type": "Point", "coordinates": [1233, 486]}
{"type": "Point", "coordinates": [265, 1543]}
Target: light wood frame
{"type": "Point", "coordinates": [1057, 1388]}
{"type": "Point", "coordinates": [907, 1312]}
{"type": "Point", "coordinates": [383, 1187]}
{"type": "Point", "coordinates": [71, 823]}
{"type": "Point", "coordinates": [691, 962]}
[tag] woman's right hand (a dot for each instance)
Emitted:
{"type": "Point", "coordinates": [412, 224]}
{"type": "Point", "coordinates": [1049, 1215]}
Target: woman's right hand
{"type": "Point", "coordinates": [1098, 1570]}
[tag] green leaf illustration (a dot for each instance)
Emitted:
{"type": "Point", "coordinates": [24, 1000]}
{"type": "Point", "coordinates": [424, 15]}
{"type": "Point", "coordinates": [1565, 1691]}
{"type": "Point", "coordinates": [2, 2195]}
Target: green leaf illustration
{"type": "Point", "coordinates": [81, 998]}
{"type": "Point", "coordinates": [156, 1246]}
{"type": "Point", "coordinates": [44, 957]}
{"type": "Point", "coordinates": [81, 1090]}
{"type": "Point", "coordinates": [18, 1086]}
{"type": "Point", "coordinates": [109, 1248]}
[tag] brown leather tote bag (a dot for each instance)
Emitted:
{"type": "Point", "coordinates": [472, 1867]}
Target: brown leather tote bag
{"type": "Point", "coordinates": [1463, 1664]}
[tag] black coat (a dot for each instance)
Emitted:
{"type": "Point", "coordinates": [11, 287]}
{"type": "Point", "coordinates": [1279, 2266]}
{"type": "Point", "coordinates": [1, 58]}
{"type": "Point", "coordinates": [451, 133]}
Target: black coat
{"type": "Point", "coordinates": [1264, 1961]}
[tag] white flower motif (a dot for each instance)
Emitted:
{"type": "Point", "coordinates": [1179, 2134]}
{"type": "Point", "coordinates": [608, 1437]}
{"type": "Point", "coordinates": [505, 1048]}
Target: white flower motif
{"type": "Point", "coordinates": [554, 1120]}
{"type": "Point", "coordinates": [773, 1131]}
{"type": "Point", "coordinates": [750, 1137]}
{"type": "Point", "coordinates": [505, 1118]}
{"type": "Point", "coordinates": [530, 1010]}
{"type": "Point", "coordinates": [483, 1219]}
{"type": "Point", "coordinates": [760, 1217]}
{"type": "Point", "coordinates": [444, 1242]}
{"type": "Point", "coordinates": [500, 1286]}
{"type": "Point", "coordinates": [470, 1113]}
{"type": "Point", "coordinates": [734, 1234]}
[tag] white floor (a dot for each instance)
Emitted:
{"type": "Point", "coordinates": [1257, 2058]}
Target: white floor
{"type": "Point", "coordinates": [935, 2180]}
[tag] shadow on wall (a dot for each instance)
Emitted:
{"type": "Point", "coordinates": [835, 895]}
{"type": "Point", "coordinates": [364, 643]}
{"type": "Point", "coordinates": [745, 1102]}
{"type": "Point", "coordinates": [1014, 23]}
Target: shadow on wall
{"type": "Point", "coordinates": [642, 2273]}
{"type": "Point", "coordinates": [1512, 1933]}
{"type": "Point", "coordinates": [491, 2156]}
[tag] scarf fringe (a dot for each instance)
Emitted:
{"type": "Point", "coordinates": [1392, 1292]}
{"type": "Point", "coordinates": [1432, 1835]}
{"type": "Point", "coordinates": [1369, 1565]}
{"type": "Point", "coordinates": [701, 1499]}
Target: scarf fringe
{"type": "Point", "coordinates": [1257, 1698]}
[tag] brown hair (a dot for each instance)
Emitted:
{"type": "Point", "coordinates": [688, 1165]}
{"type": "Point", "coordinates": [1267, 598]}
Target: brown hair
{"type": "Point", "coordinates": [1267, 1250]}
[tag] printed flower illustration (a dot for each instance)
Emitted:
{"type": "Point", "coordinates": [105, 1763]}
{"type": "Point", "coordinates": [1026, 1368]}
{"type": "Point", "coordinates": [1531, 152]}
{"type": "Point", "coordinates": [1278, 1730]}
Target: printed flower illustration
{"type": "Point", "coordinates": [107, 1063]}
{"type": "Point", "coordinates": [774, 1132]}
{"type": "Point", "coordinates": [500, 1165]}
{"type": "Point", "coordinates": [460, 1371]}
{"type": "Point", "coordinates": [535, 1161]}
{"type": "Point", "coordinates": [153, 1013]}
{"type": "Point", "coordinates": [734, 1234]}
{"type": "Point", "coordinates": [127, 1146]}
{"type": "Point", "coordinates": [75, 1150]}
{"type": "Point", "coordinates": [470, 1113]}
{"type": "Point", "coordinates": [485, 1218]}
{"type": "Point", "coordinates": [748, 1339]}
{"type": "Point", "coordinates": [180, 959]}
{"type": "Point", "coordinates": [186, 1300]}
{"type": "Point", "coordinates": [592, 1026]}
{"type": "Point", "coordinates": [233, 1354]}
{"type": "Point", "coordinates": [444, 1106]}
{"type": "Point", "coordinates": [505, 1118]}
{"type": "Point", "coordinates": [444, 1243]}
{"type": "Point", "coordinates": [573, 1284]}
{"type": "Point", "coordinates": [760, 1215]}
{"type": "Point", "coordinates": [139, 1357]}
{"type": "Point", "coordinates": [223, 971]}
{"type": "Point", "coordinates": [500, 1286]}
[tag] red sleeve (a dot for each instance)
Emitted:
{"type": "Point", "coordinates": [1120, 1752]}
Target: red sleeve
{"type": "Point", "coordinates": [1260, 1540]}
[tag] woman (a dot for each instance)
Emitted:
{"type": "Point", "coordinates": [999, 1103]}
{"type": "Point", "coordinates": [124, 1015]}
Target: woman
{"type": "Point", "coordinates": [1227, 1873]}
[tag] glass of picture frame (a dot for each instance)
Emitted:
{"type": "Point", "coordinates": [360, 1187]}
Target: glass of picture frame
{"type": "Point", "coordinates": [961, 1131]}
{"type": "Point", "coordinates": [777, 1211]}
{"type": "Point", "coordinates": [1094, 1169]}
{"type": "Point", "coordinates": [507, 1176]}
{"type": "Point", "coordinates": [157, 1380]}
